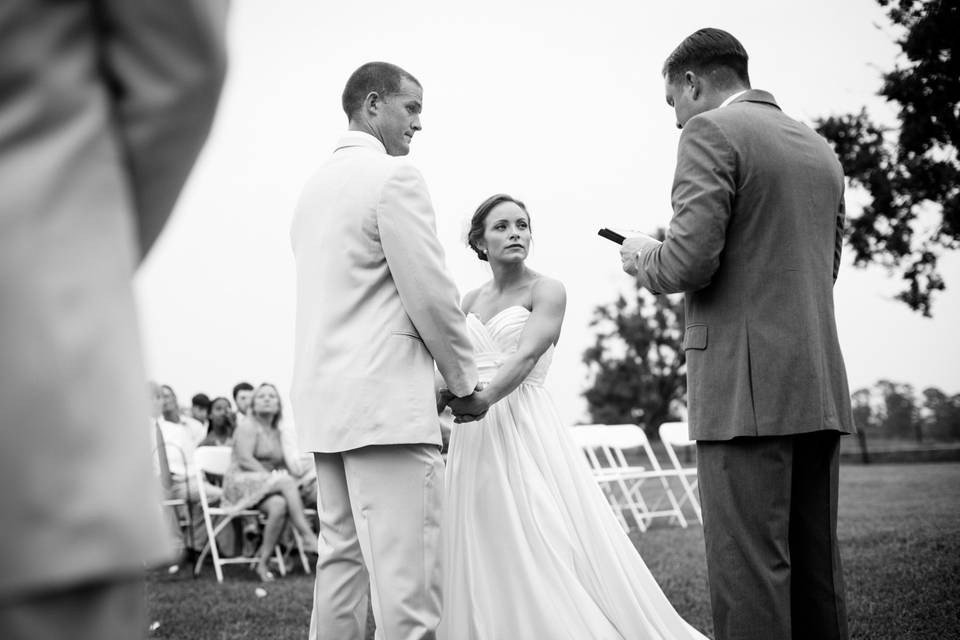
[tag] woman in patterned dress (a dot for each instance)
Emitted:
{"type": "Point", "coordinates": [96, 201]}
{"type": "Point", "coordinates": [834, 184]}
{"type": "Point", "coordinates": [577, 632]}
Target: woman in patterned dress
{"type": "Point", "coordinates": [260, 476]}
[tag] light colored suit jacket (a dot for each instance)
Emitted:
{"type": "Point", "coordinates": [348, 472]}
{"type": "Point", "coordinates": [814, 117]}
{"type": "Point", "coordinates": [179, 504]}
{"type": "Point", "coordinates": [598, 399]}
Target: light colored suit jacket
{"type": "Point", "coordinates": [755, 244]}
{"type": "Point", "coordinates": [375, 305]}
{"type": "Point", "coordinates": [103, 108]}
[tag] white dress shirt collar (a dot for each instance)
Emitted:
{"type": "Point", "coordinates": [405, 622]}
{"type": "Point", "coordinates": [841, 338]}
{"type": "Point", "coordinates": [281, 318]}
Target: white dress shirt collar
{"type": "Point", "coordinates": [360, 139]}
{"type": "Point", "coordinates": [732, 98]}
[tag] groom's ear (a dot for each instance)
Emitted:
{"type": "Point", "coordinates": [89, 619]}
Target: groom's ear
{"type": "Point", "coordinates": [693, 83]}
{"type": "Point", "coordinates": [371, 103]}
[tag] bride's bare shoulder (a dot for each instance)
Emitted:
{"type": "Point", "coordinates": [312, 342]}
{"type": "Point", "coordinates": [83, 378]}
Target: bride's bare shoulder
{"type": "Point", "coordinates": [546, 285]}
{"type": "Point", "coordinates": [470, 298]}
{"type": "Point", "coordinates": [548, 290]}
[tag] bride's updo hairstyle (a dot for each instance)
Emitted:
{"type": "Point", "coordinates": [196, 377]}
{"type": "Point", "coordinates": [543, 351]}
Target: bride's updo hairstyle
{"type": "Point", "coordinates": [479, 220]}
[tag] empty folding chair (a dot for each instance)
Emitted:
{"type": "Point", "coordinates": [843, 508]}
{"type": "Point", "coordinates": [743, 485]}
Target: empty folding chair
{"type": "Point", "coordinates": [605, 447]}
{"type": "Point", "coordinates": [675, 435]}
{"type": "Point", "coordinates": [180, 508]}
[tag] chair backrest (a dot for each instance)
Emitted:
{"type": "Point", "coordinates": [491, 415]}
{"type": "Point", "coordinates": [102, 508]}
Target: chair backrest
{"type": "Point", "coordinates": [676, 434]}
{"type": "Point", "coordinates": [214, 460]}
{"type": "Point", "coordinates": [611, 440]}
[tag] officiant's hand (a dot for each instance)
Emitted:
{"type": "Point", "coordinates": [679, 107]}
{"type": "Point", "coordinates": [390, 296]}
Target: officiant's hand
{"type": "Point", "coordinates": [470, 408]}
{"type": "Point", "coordinates": [633, 246]}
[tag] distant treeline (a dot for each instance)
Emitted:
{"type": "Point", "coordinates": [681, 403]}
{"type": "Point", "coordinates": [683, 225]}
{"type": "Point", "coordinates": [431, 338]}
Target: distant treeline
{"type": "Point", "coordinates": [895, 410]}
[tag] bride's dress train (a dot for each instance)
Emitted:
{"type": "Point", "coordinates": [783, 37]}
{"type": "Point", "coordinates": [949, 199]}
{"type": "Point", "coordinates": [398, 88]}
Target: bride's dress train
{"type": "Point", "coordinates": [532, 549]}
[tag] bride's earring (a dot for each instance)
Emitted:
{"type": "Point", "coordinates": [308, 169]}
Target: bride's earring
{"type": "Point", "coordinates": [484, 251]}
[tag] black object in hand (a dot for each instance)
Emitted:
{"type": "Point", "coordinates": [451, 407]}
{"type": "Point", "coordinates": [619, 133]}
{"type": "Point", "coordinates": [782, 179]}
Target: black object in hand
{"type": "Point", "coordinates": [612, 236]}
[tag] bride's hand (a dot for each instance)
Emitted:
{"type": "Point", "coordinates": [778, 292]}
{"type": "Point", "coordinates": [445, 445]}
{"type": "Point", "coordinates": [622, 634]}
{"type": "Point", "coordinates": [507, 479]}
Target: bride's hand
{"type": "Point", "coordinates": [472, 407]}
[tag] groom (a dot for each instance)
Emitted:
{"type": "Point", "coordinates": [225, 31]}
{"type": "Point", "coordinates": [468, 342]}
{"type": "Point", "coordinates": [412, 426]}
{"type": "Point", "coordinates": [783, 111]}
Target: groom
{"type": "Point", "coordinates": [755, 244]}
{"type": "Point", "coordinates": [375, 308]}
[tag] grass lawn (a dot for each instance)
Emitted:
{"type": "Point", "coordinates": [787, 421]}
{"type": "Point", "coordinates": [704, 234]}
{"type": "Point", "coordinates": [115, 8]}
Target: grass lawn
{"type": "Point", "coordinates": [899, 530]}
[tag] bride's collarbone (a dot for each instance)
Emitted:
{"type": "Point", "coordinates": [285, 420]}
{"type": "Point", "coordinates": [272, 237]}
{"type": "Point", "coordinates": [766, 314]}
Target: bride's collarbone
{"type": "Point", "coordinates": [489, 303]}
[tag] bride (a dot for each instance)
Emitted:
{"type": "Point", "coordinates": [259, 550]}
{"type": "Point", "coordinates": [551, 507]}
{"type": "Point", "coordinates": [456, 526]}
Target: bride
{"type": "Point", "coordinates": [531, 547]}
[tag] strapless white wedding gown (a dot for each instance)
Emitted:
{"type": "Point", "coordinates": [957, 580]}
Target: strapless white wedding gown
{"type": "Point", "coordinates": [532, 551]}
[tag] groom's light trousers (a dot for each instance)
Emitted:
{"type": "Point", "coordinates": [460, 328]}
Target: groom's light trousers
{"type": "Point", "coordinates": [379, 510]}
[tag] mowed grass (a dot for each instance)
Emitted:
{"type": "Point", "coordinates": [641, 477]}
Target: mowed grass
{"type": "Point", "coordinates": [899, 531]}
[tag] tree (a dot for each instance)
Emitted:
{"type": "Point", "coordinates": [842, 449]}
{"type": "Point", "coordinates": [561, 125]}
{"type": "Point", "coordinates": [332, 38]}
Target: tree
{"type": "Point", "coordinates": [941, 414]}
{"type": "Point", "coordinates": [912, 173]}
{"type": "Point", "coordinates": [636, 365]}
{"type": "Point", "coordinates": [863, 416]}
{"type": "Point", "coordinates": [901, 417]}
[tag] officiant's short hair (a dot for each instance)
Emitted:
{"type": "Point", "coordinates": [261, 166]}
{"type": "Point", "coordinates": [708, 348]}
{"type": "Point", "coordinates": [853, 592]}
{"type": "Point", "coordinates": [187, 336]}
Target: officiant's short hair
{"type": "Point", "coordinates": [382, 77]}
{"type": "Point", "coordinates": [708, 51]}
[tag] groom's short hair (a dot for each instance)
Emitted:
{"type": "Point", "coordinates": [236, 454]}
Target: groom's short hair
{"type": "Point", "coordinates": [382, 77]}
{"type": "Point", "coordinates": [712, 51]}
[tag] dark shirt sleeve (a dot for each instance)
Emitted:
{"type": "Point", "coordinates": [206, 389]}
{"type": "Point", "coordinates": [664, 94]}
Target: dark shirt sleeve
{"type": "Point", "coordinates": [704, 187]}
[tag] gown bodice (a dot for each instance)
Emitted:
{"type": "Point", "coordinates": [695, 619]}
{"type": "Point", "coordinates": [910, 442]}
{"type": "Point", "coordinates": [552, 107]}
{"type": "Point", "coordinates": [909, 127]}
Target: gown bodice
{"type": "Point", "coordinates": [497, 339]}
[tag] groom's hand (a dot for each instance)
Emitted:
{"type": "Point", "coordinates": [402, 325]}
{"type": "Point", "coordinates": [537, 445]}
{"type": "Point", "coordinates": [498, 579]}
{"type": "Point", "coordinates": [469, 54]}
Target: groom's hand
{"type": "Point", "coordinates": [631, 248]}
{"type": "Point", "coordinates": [469, 408]}
{"type": "Point", "coordinates": [444, 396]}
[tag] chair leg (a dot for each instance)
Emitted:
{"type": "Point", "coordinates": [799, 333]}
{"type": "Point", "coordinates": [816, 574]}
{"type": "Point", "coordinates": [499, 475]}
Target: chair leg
{"type": "Point", "coordinates": [303, 556]}
{"type": "Point", "coordinates": [631, 504]}
{"type": "Point", "coordinates": [281, 564]}
{"type": "Point", "coordinates": [211, 547]}
{"type": "Point", "coordinates": [673, 502]}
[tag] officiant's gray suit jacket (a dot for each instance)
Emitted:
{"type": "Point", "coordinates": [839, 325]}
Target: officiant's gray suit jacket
{"type": "Point", "coordinates": [755, 244]}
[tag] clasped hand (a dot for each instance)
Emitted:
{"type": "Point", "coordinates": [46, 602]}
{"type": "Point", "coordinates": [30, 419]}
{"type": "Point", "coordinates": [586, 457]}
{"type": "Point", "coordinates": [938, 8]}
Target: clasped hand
{"type": "Point", "coordinates": [467, 408]}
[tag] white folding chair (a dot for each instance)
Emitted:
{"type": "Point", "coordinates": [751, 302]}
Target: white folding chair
{"type": "Point", "coordinates": [622, 482]}
{"type": "Point", "coordinates": [675, 435]}
{"type": "Point", "coordinates": [180, 508]}
{"type": "Point", "coordinates": [214, 461]}
{"type": "Point", "coordinates": [609, 480]}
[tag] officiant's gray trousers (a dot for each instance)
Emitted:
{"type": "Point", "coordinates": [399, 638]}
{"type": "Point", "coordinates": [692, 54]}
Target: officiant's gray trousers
{"type": "Point", "coordinates": [379, 510]}
{"type": "Point", "coordinates": [770, 525]}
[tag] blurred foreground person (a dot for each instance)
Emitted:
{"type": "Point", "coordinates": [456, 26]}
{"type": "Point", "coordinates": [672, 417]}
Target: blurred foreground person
{"type": "Point", "coordinates": [103, 109]}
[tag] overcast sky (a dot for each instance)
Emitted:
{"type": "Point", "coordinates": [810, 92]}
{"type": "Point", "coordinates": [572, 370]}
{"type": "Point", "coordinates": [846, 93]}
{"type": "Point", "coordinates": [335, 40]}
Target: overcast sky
{"type": "Point", "coordinates": [560, 104]}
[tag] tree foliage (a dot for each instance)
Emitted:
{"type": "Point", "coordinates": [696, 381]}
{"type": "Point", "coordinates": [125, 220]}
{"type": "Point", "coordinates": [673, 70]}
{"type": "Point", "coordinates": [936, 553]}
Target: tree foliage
{"type": "Point", "coordinates": [893, 410]}
{"type": "Point", "coordinates": [636, 364]}
{"type": "Point", "coordinates": [940, 414]}
{"type": "Point", "coordinates": [912, 173]}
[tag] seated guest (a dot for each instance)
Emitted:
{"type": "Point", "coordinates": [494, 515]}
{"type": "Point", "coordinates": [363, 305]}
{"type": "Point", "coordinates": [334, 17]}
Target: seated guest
{"type": "Point", "coordinates": [173, 414]}
{"type": "Point", "coordinates": [200, 409]}
{"type": "Point", "coordinates": [242, 392]}
{"type": "Point", "coordinates": [221, 424]}
{"type": "Point", "coordinates": [261, 475]}
{"type": "Point", "coordinates": [180, 437]}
